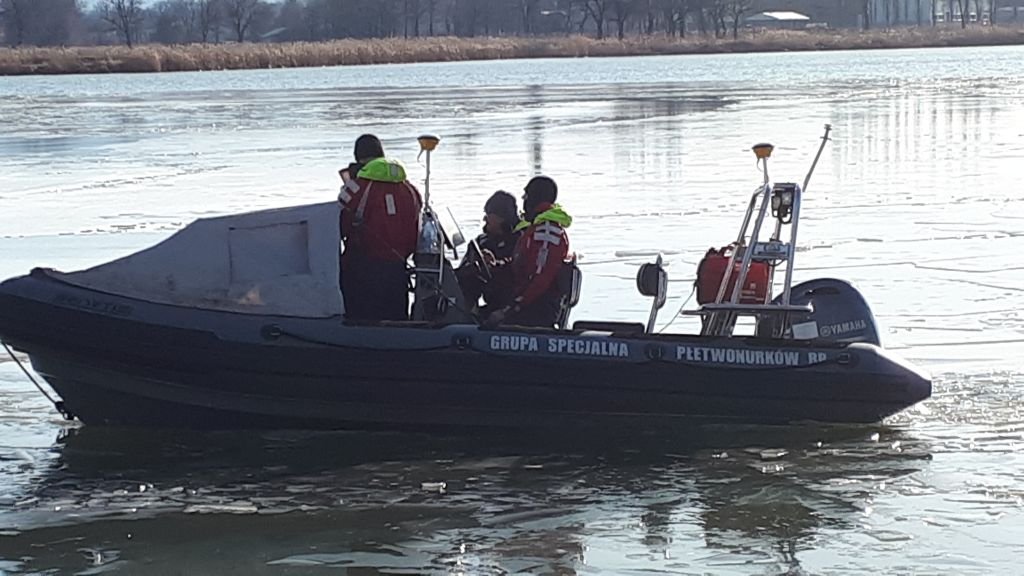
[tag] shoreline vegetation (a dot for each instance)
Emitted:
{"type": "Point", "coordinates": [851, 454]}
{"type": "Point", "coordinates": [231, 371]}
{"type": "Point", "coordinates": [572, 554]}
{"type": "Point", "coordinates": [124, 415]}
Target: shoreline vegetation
{"type": "Point", "coordinates": [233, 56]}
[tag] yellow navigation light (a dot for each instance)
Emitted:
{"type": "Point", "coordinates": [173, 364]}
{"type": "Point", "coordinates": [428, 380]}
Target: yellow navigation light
{"type": "Point", "coordinates": [763, 150]}
{"type": "Point", "coordinates": [428, 142]}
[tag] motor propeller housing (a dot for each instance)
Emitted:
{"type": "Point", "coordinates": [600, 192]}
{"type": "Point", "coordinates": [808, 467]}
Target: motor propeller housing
{"type": "Point", "coordinates": [839, 314]}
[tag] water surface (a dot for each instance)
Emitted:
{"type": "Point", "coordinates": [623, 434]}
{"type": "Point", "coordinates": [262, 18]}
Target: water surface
{"type": "Point", "coordinates": [916, 200]}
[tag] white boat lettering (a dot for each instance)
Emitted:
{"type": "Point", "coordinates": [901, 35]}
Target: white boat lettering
{"type": "Point", "coordinates": [842, 328]}
{"type": "Point", "coordinates": [588, 347]}
{"type": "Point", "coordinates": [739, 356]}
{"type": "Point", "coordinates": [515, 343]}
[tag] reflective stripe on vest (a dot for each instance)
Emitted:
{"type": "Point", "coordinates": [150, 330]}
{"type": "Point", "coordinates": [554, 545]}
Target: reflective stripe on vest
{"type": "Point", "coordinates": [349, 187]}
{"type": "Point", "coordinates": [362, 204]}
{"type": "Point", "coordinates": [549, 233]}
{"type": "Point", "coordinates": [542, 258]}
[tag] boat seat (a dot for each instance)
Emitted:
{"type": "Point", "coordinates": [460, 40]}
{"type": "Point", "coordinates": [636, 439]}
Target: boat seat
{"type": "Point", "coordinates": [620, 328]}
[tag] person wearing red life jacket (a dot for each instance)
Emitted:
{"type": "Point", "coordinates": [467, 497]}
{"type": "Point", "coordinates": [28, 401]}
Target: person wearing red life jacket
{"type": "Point", "coordinates": [380, 221]}
{"type": "Point", "coordinates": [541, 252]}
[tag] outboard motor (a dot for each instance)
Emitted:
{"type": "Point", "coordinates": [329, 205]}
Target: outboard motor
{"type": "Point", "coordinates": [839, 314]}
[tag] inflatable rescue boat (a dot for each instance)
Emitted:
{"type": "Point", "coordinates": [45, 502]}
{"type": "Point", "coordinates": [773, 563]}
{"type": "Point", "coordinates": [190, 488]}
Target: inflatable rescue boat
{"type": "Point", "coordinates": [239, 322]}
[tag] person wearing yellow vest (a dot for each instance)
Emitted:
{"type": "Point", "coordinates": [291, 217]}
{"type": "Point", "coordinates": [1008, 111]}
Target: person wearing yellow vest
{"type": "Point", "coordinates": [380, 221]}
{"type": "Point", "coordinates": [541, 252]}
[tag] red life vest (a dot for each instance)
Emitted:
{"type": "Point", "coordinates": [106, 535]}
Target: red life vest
{"type": "Point", "coordinates": [380, 216]}
{"type": "Point", "coordinates": [540, 253]}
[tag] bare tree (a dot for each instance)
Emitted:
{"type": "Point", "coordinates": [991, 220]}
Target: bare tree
{"type": "Point", "coordinates": [39, 22]}
{"type": "Point", "coordinates": [715, 11]}
{"type": "Point", "coordinates": [650, 16]}
{"type": "Point", "coordinates": [597, 10]}
{"type": "Point", "coordinates": [126, 18]}
{"type": "Point", "coordinates": [675, 14]}
{"type": "Point", "coordinates": [240, 13]}
{"type": "Point", "coordinates": [413, 12]}
{"type": "Point", "coordinates": [528, 9]}
{"type": "Point", "coordinates": [176, 21]}
{"type": "Point", "coordinates": [15, 17]}
{"type": "Point", "coordinates": [188, 18]}
{"type": "Point", "coordinates": [621, 11]}
{"type": "Point", "coordinates": [431, 15]}
{"type": "Point", "coordinates": [292, 17]}
{"type": "Point", "coordinates": [702, 9]}
{"type": "Point", "coordinates": [208, 17]}
{"type": "Point", "coordinates": [965, 5]}
{"type": "Point", "coordinates": [669, 15]}
{"type": "Point", "coordinates": [736, 9]}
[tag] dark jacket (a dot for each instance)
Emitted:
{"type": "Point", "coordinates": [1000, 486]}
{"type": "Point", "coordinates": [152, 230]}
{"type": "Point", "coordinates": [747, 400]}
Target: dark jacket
{"type": "Point", "coordinates": [498, 289]}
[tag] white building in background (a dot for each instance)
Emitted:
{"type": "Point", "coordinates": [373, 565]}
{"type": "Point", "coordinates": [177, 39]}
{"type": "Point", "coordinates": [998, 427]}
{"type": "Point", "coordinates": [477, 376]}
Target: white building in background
{"type": "Point", "coordinates": [921, 12]}
{"type": "Point", "coordinates": [779, 20]}
{"type": "Point", "coordinates": [949, 10]}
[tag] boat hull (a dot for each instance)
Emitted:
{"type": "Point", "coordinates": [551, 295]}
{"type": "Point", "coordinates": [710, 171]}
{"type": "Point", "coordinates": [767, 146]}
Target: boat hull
{"type": "Point", "coordinates": [119, 361]}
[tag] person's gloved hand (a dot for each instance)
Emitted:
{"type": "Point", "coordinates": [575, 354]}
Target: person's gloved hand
{"type": "Point", "coordinates": [496, 317]}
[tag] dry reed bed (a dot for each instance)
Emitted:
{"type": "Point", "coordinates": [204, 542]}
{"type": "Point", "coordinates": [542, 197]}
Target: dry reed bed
{"type": "Point", "coordinates": [161, 58]}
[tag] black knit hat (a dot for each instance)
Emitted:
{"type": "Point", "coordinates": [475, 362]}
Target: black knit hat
{"type": "Point", "coordinates": [503, 205]}
{"type": "Point", "coordinates": [368, 147]}
{"type": "Point", "coordinates": [542, 189]}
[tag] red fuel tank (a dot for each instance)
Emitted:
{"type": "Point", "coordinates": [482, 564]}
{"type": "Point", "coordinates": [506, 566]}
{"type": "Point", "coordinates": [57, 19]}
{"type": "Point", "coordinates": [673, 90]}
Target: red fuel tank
{"type": "Point", "coordinates": [711, 271]}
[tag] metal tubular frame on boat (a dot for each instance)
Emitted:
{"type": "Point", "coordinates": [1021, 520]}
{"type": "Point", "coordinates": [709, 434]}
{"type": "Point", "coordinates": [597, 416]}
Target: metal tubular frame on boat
{"type": "Point", "coordinates": [720, 316]}
{"type": "Point", "coordinates": [429, 226]}
{"type": "Point", "coordinates": [796, 215]}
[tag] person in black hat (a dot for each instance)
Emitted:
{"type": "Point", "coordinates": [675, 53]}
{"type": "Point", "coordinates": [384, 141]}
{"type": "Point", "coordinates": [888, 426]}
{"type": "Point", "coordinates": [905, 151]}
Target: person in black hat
{"type": "Point", "coordinates": [485, 271]}
{"type": "Point", "coordinates": [380, 220]}
{"type": "Point", "coordinates": [539, 259]}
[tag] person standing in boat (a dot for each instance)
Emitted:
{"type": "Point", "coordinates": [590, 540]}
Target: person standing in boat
{"type": "Point", "coordinates": [380, 218]}
{"type": "Point", "coordinates": [538, 260]}
{"type": "Point", "coordinates": [492, 279]}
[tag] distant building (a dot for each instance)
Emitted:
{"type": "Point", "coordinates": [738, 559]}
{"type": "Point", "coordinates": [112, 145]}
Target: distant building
{"type": "Point", "coordinates": [778, 20]}
{"type": "Point", "coordinates": [926, 12]}
{"type": "Point", "coordinates": [833, 13]}
{"type": "Point", "coordinates": [894, 13]}
{"type": "Point", "coordinates": [1009, 11]}
{"type": "Point", "coordinates": [949, 11]}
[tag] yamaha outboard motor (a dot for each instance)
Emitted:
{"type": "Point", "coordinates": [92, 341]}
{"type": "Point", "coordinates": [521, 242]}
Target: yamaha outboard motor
{"type": "Point", "coordinates": [839, 314]}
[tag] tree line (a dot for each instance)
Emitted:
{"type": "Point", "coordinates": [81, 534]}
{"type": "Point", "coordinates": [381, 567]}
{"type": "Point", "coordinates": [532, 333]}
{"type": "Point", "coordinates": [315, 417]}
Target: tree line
{"type": "Point", "coordinates": [66, 22]}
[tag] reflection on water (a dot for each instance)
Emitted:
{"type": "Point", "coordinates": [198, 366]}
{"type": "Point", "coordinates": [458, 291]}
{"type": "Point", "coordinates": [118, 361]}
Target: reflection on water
{"type": "Point", "coordinates": [538, 505]}
{"type": "Point", "coordinates": [938, 489]}
{"type": "Point", "coordinates": [916, 200]}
